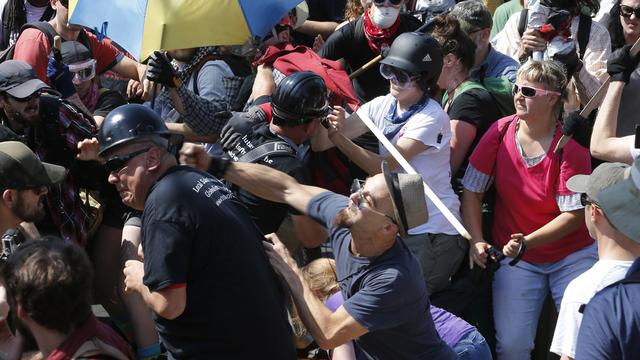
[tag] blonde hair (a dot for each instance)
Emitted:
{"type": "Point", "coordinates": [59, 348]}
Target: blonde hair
{"type": "Point", "coordinates": [320, 275]}
{"type": "Point", "coordinates": [551, 75]}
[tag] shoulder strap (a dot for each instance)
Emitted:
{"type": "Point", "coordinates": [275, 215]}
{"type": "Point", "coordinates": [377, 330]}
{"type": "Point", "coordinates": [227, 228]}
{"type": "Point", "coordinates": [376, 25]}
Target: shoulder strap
{"type": "Point", "coordinates": [467, 85]}
{"type": "Point", "coordinates": [6, 32]}
{"type": "Point", "coordinates": [268, 149]}
{"type": "Point", "coordinates": [524, 18]}
{"type": "Point", "coordinates": [43, 26]}
{"type": "Point", "coordinates": [584, 31]}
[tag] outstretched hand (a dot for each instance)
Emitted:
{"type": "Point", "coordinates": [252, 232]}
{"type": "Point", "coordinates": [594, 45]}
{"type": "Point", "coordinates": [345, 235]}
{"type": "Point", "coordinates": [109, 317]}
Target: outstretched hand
{"type": "Point", "coordinates": [282, 261]}
{"type": "Point", "coordinates": [194, 155]}
{"type": "Point", "coordinates": [334, 122]}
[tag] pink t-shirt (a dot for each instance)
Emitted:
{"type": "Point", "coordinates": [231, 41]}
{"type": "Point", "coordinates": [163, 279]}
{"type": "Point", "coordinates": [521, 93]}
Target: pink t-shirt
{"type": "Point", "coordinates": [32, 47]}
{"type": "Point", "coordinates": [526, 196]}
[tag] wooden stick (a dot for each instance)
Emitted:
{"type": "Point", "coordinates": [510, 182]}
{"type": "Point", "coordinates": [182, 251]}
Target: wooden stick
{"type": "Point", "coordinates": [365, 67]}
{"type": "Point", "coordinates": [595, 101]}
{"type": "Point", "coordinates": [410, 170]}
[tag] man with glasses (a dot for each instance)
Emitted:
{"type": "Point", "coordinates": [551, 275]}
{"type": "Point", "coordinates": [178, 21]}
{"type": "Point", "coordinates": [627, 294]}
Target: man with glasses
{"type": "Point", "coordinates": [205, 274]}
{"type": "Point", "coordinates": [609, 328]}
{"type": "Point", "coordinates": [52, 128]}
{"type": "Point", "coordinates": [386, 308]}
{"type": "Point", "coordinates": [33, 47]}
{"type": "Point", "coordinates": [617, 249]}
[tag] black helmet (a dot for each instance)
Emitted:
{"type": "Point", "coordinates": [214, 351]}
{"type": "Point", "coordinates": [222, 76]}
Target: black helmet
{"type": "Point", "coordinates": [129, 122]}
{"type": "Point", "coordinates": [299, 98]}
{"type": "Point", "coordinates": [416, 53]}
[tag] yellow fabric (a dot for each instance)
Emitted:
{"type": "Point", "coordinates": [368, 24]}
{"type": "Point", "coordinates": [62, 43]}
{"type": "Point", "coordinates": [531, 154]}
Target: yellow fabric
{"type": "Point", "coordinates": [492, 5]}
{"type": "Point", "coordinates": [204, 22]}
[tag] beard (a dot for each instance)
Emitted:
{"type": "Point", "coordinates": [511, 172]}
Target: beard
{"type": "Point", "coordinates": [343, 219]}
{"type": "Point", "coordinates": [28, 213]}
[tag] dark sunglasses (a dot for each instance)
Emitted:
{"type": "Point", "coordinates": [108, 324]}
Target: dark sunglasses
{"type": "Point", "coordinates": [117, 162]}
{"type": "Point", "coordinates": [627, 11]}
{"type": "Point", "coordinates": [585, 200]}
{"type": "Point", "coordinates": [530, 91]}
{"type": "Point", "coordinates": [28, 98]}
{"type": "Point", "coordinates": [392, 2]}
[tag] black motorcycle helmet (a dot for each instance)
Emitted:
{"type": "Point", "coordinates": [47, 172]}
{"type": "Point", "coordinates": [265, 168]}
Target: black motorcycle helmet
{"type": "Point", "coordinates": [416, 53]}
{"type": "Point", "coordinates": [299, 98]}
{"type": "Point", "coordinates": [130, 122]}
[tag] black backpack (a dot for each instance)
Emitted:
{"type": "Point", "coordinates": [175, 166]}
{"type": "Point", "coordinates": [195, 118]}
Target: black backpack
{"type": "Point", "coordinates": [49, 32]}
{"type": "Point", "coordinates": [6, 32]}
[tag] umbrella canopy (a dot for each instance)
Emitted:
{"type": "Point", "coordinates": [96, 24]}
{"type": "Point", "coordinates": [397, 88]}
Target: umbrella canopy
{"type": "Point", "coordinates": [142, 26]}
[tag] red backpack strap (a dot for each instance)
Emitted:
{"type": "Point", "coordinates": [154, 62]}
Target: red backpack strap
{"type": "Point", "coordinates": [266, 107]}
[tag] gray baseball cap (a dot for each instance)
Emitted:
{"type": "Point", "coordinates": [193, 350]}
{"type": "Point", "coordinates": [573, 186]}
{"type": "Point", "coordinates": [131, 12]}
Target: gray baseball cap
{"type": "Point", "coordinates": [18, 79]}
{"type": "Point", "coordinates": [615, 187]}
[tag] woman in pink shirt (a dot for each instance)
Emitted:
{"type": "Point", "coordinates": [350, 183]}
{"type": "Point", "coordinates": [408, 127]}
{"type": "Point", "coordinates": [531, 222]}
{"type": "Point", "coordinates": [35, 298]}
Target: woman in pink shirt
{"type": "Point", "coordinates": [533, 206]}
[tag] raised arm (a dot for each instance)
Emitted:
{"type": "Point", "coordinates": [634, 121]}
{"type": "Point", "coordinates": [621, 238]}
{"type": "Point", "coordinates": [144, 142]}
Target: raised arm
{"type": "Point", "coordinates": [604, 143]}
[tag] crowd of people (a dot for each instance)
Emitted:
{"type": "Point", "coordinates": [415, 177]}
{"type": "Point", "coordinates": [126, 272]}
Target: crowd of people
{"type": "Point", "coordinates": [373, 179]}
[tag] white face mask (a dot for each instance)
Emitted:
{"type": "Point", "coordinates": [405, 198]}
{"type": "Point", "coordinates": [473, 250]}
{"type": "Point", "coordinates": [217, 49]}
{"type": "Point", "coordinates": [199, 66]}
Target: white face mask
{"type": "Point", "coordinates": [384, 17]}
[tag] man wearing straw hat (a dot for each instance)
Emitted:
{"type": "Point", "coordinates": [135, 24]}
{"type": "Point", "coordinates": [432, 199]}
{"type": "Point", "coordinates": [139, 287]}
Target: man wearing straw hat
{"type": "Point", "coordinates": [386, 308]}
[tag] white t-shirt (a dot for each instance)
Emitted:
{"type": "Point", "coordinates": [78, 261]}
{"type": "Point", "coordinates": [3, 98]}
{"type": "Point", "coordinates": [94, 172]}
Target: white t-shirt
{"type": "Point", "coordinates": [431, 127]}
{"type": "Point", "coordinates": [33, 14]}
{"type": "Point", "coordinates": [579, 291]}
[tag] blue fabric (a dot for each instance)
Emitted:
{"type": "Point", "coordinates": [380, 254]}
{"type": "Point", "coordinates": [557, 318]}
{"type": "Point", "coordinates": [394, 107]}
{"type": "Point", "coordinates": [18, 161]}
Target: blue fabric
{"type": "Point", "coordinates": [496, 65]}
{"type": "Point", "coordinates": [518, 295]}
{"type": "Point", "coordinates": [473, 346]}
{"type": "Point", "coordinates": [260, 22]}
{"type": "Point", "coordinates": [394, 122]}
{"type": "Point", "coordinates": [611, 324]}
{"type": "Point", "coordinates": [400, 326]}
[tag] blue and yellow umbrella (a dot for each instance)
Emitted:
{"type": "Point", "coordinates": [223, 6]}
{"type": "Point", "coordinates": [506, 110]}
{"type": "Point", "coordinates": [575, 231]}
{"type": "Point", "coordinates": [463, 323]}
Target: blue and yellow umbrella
{"type": "Point", "coordinates": [142, 26]}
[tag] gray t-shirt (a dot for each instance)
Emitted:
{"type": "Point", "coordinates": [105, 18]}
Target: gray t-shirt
{"type": "Point", "coordinates": [386, 294]}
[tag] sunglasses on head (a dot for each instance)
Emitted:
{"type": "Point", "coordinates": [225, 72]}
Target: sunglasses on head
{"type": "Point", "coordinates": [395, 75]}
{"type": "Point", "coordinates": [392, 2]}
{"type": "Point", "coordinates": [586, 200]}
{"type": "Point", "coordinates": [28, 98]}
{"type": "Point", "coordinates": [530, 91]}
{"type": "Point", "coordinates": [117, 162]}
{"type": "Point", "coordinates": [626, 11]}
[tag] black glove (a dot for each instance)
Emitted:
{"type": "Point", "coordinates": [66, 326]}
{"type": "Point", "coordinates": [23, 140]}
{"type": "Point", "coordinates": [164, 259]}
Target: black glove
{"type": "Point", "coordinates": [570, 61]}
{"type": "Point", "coordinates": [579, 127]}
{"type": "Point", "coordinates": [621, 64]}
{"type": "Point", "coordinates": [160, 70]}
{"type": "Point", "coordinates": [238, 126]}
{"type": "Point", "coordinates": [218, 166]}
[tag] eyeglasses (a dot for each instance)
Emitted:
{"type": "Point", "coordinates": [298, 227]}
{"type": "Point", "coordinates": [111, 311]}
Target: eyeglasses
{"type": "Point", "coordinates": [28, 98]}
{"type": "Point", "coordinates": [397, 76]}
{"type": "Point", "coordinates": [83, 71]}
{"type": "Point", "coordinates": [357, 187]}
{"type": "Point", "coordinates": [530, 91]}
{"type": "Point", "coordinates": [586, 200]}
{"type": "Point", "coordinates": [627, 11]}
{"type": "Point", "coordinates": [392, 2]}
{"type": "Point", "coordinates": [115, 163]}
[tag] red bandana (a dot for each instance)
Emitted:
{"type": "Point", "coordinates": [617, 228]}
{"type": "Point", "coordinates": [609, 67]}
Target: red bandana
{"type": "Point", "coordinates": [377, 37]}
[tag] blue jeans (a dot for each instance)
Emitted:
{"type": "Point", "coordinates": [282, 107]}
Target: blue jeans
{"type": "Point", "coordinates": [473, 346]}
{"type": "Point", "coordinates": [518, 295]}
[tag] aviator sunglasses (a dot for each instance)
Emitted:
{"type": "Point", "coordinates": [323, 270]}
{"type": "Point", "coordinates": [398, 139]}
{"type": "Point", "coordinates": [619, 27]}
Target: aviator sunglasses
{"type": "Point", "coordinates": [530, 91]}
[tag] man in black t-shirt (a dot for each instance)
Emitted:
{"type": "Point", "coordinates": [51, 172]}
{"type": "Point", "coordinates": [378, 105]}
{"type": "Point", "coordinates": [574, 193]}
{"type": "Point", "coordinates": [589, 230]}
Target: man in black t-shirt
{"type": "Point", "coordinates": [363, 39]}
{"type": "Point", "coordinates": [205, 273]}
{"type": "Point", "coordinates": [297, 106]}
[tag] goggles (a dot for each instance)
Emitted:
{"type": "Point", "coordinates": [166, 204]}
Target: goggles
{"type": "Point", "coordinates": [397, 76]}
{"type": "Point", "coordinates": [83, 71]}
{"type": "Point", "coordinates": [394, 3]}
{"type": "Point", "coordinates": [531, 92]}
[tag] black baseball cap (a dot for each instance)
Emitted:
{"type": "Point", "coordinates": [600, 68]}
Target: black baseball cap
{"type": "Point", "coordinates": [18, 79]}
{"type": "Point", "coordinates": [20, 168]}
{"type": "Point", "coordinates": [74, 52]}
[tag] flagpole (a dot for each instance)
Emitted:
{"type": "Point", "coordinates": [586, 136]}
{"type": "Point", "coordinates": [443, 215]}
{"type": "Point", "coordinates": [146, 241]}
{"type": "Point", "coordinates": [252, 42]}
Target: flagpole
{"type": "Point", "coordinates": [410, 170]}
